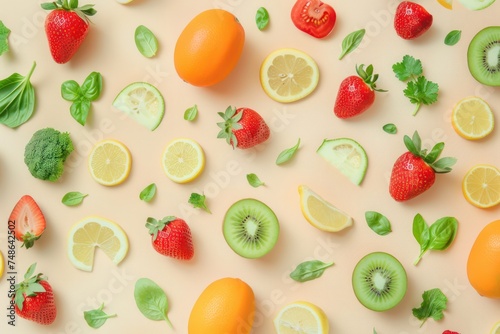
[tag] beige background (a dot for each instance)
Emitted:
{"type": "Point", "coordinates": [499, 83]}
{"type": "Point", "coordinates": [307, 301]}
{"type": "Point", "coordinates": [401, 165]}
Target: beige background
{"type": "Point", "coordinates": [110, 49]}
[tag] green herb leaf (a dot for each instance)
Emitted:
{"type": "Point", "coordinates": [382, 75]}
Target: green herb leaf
{"type": "Point", "coordinates": [390, 128]}
{"type": "Point", "coordinates": [288, 154]}
{"type": "Point", "coordinates": [151, 300]}
{"type": "Point", "coordinates": [198, 201]}
{"type": "Point", "coordinates": [146, 41]}
{"type": "Point", "coordinates": [82, 96]}
{"type": "Point", "coordinates": [453, 37]}
{"type": "Point", "coordinates": [254, 180]}
{"type": "Point", "coordinates": [309, 270]}
{"type": "Point", "coordinates": [73, 198]}
{"type": "Point", "coordinates": [92, 86]}
{"type": "Point", "coordinates": [433, 305]}
{"type": "Point", "coordinates": [191, 113]}
{"type": "Point", "coordinates": [351, 42]}
{"type": "Point", "coordinates": [80, 109]}
{"type": "Point", "coordinates": [408, 68]}
{"type": "Point", "coordinates": [96, 318]}
{"type": "Point", "coordinates": [262, 18]}
{"type": "Point", "coordinates": [378, 222]}
{"type": "Point", "coordinates": [374, 331]}
{"type": "Point", "coordinates": [148, 193]}
{"type": "Point", "coordinates": [70, 90]}
{"type": "Point", "coordinates": [438, 236]}
{"type": "Point", "coordinates": [4, 38]}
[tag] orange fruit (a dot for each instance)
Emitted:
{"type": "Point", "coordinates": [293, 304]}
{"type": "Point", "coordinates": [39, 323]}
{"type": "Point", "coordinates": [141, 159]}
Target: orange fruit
{"type": "Point", "coordinates": [483, 264]}
{"type": "Point", "coordinates": [209, 47]}
{"type": "Point", "coordinates": [226, 306]}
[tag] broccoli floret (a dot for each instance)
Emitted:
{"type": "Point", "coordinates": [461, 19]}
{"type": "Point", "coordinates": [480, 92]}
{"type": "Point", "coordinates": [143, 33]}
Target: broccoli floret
{"type": "Point", "coordinates": [46, 152]}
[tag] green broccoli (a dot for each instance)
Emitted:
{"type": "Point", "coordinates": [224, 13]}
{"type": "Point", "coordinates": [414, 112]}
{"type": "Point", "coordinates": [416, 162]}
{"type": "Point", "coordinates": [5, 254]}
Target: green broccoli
{"type": "Point", "coordinates": [46, 152]}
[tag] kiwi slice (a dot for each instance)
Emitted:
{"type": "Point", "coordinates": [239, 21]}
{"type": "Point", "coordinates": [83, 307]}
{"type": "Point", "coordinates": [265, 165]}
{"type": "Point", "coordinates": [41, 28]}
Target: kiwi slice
{"type": "Point", "coordinates": [379, 281]}
{"type": "Point", "coordinates": [250, 228]}
{"type": "Point", "coordinates": [483, 56]}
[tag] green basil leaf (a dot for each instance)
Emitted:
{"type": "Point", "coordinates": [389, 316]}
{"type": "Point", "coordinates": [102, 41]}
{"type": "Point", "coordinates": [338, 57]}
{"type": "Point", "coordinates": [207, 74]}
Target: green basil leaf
{"type": "Point", "coordinates": [92, 86]}
{"type": "Point", "coordinates": [420, 230]}
{"type": "Point", "coordinates": [254, 180]}
{"type": "Point", "coordinates": [146, 41]}
{"type": "Point", "coordinates": [309, 270]}
{"type": "Point", "coordinates": [390, 128]}
{"type": "Point", "coordinates": [80, 110]}
{"type": "Point", "coordinates": [73, 198]}
{"type": "Point", "coordinates": [70, 90]}
{"type": "Point", "coordinates": [96, 318]}
{"type": "Point", "coordinates": [148, 193]}
{"type": "Point", "coordinates": [442, 233]}
{"type": "Point", "coordinates": [351, 42]}
{"type": "Point", "coordinates": [378, 222]}
{"type": "Point", "coordinates": [288, 154]}
{"type": "Point", "coordinates": [262, 18]}
{"type": "Point", "coordinates": [4, 38]}
{"type": "Point", "coordinates": [151, 300]}
{"type": "Point", "coordinates": [191, 113]}
{"type": "Point", "coordinates": [453, 37]}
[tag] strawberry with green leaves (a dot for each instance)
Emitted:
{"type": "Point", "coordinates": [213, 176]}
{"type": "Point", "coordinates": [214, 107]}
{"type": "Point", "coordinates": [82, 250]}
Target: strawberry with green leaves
{"type": "Point", "coordinates": [411, 20]}
{"type": "Point", "coordinates": [171, 236]}
{"type": "Point", "coordinates": [29, 221]}
{"type": "Point", "coordinates": [243, 127]}
{"type": "Point", "coordinates": [34, 298]}
{"type": "Point", "coordinates": [414, 172]}
{"type": "Point", "coordinates": [66, 27]}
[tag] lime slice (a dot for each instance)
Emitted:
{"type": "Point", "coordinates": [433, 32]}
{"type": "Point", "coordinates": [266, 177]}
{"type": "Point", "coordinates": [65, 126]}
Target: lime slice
{"type": "Point", "coordinates": [347, 156]}
{"type": "Point", "coordinates": [143, 102]}
{"type": "Point", "coordinates": [476, 4]}
{"type": "Point", "coordinates": [496, 328]}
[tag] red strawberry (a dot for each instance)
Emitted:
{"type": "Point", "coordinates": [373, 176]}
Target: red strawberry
{"type": "Point", "coordinates": [243, 127]}
{"type": "Point", "coordinates": [171, 236]}
{"type": "Point", "coordinates": [28, 220]}
{"type": "Point", "coordinates": [34, 298]}
{"type": "Point", "coordinates": [450, 332]}
{"type": "Point", "coordinates": [66, 27]}
{"type": "Point", "coordinates": [414, 171]}
{"type": "Point", "coordinates": [411, 20]}
{"type": "Point", "coordinates": [356, 93]}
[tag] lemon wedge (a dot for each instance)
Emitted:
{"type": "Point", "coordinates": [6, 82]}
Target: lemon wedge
{"type": "Point", "coordinates": [183, 160]}
{"type": "Point", "coordinates": [109, 162]}
{"type": "Point", "coordinates": [481, 186]}
{"type": "Point", "coordinates": [472, 118]}
{"type": "Point", "coordinates": [301, 317]}
{"type": "Point", "coordinates": [448, 4]}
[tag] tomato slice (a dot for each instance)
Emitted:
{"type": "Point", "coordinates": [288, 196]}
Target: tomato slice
{"type": "Point", "coordinates": [314, 17]}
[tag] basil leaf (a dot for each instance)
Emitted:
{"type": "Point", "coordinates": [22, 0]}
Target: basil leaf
{"type": "Point", "coordinates": [378, 222]}
{"type": "Point", "coordinates": [287, 154]}
{"type": "Point", "coordinates": [4, 38]}
{"type": "Point", "coordinates": [390, 128]}
{"type": "Point", "coordinates": [309, 270]}
{"type": "Point", "coordinates": [151, 300]}
{"type": "Point", "coordinates": [420, 230]}
{"type": "Point", "coordinates": [148, 193]}
{"type": "Point", "coordinates": [438, 236]}
{"type": "Point", "coordinates": [92, 86]}
{"type": "Point", "coordinates": [254, 180]}
{"type": "Point", "coordinates": [70, 90]}
{"type": "Point", "coordinates": [351, 42]}
{"type": "Point", "coordinates": [73, 198]}
{"type": "Point", "coordinates": [262, 18]}
{"type": "Point", "coordinates": [146, 41]}
{"type": "Point", "coordinates": [96, 318]}
{"type": "Point", "coordinates": [453, 37]}
{"type": "Point", "coordinates": [191, 113]}
{"type": "Point", "coordinates": [80, 110]}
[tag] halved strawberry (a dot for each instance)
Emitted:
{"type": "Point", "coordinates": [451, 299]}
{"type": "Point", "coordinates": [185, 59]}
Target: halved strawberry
{"type": "Point", "coordinates": [28, 220]}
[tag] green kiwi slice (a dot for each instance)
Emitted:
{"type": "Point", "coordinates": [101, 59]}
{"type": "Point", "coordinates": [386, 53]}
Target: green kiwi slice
{"type": "Point", "coordinates": [250, 228]}
{"type": "Point", "coordinates": [483, 56]}
{"type": "Point", "coordinates": [379, 281]}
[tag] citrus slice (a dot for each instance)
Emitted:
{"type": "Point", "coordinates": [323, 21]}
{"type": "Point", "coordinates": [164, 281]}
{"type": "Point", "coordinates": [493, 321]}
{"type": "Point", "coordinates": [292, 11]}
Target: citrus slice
{"type": "Point", "coordinates": [124, 1]}
{"type": "Point", "coordinates": [183, 160]}
{"type": "Point", "coordinates": [481, 186]}
{"type": "Point", "coordinates": [476, 4]}
{"type": "Point", "coordinates": [347, 155]}
{"type": "Point", "coordinates": [446, 3]}
{"type": "Point", "coordinates": [321, 214]}
{"type": "Point", "coordinates": [143, 102]}
{"type": "Point", "coordinates": [288, 75]}
{"type": "Point", "coordinates": [1, 265]}
{"type": "Point", "coordinates": [472, 118]}
{"type": "Point", "coordinates": [301, 317]}
{"type": "Point", "coordinates": [496, 328]}
{"type": "Point", "coordinates": [110, 162]}
{"type": "Point", "coordinates": [92, 232]}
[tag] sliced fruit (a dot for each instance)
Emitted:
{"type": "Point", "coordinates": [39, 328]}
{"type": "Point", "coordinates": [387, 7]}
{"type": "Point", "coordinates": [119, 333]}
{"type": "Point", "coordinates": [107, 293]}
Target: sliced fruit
{"type": "Point", "coordinates": [183, 160]}
{"type": "Point", "coordinates": [301, 317]}
{"type": "Point", "coordinates": [496, 328]}
{"type": "Point", "coordinates": [448, 4]}
{"type": "Point", "coordinates": [288, 75]}
{"type": "Point", "coordinates": [321, 214]}
{"type": "Point", "coordinates": [476, 4]}
{"type": "Point", "coordinates": [482, 56]}
{"type": "Point", "coordinates": [481, 186]}
{"type": "Point", "coordinates": [92, 232]}
{"type": "Point", "coordinates": [347, 155]}
{"type": "Point", "coordinates": [124, 1]}
{"type": "Point", "coordinates": [472, 118]}
{"type": "Point", "coordinates": [109, 162]}
{"type": "Point", "coordinates": [29, 221]}
{"type": "Point", "coordinates": [1, 264]}
{"type": "Point", "coordinates": [250, 228]}
{"type": "Point", "coordinates": [143, 102]}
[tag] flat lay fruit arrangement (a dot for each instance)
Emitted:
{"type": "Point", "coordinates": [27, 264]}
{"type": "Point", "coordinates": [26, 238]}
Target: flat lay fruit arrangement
{"type": "Point", "coordinates": [237, 167]}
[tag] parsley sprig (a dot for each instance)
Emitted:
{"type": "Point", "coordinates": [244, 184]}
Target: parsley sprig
{"type": "Point", "coordinates": [418, 90]}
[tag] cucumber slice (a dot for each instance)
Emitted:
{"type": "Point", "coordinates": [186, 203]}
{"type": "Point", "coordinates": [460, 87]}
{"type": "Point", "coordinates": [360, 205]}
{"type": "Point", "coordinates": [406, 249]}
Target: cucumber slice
{"type": "Point", "coordinates": [476, 4]}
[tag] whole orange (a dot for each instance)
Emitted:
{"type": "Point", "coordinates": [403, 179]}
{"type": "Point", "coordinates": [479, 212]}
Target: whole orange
{"type": "Point", "coordinates": [209, 47]}
{"type": "Point", "coordinates": [483, 265]}
{"type": "Point", "coordinates": [226, 306]}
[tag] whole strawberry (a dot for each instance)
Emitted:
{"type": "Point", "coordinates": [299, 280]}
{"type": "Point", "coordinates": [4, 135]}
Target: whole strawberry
{"type": "Point", "coordinates": [414, 171]}
{"type": "Point", "coordinates": [29, 221]}
{"type": "Point", "coordinates": [411, 20]}
{"type": "Point", "coordinates": [243, 127]}
{"type": "Point", "coordinates": [356, 93]}
{"type": "Point", "coordinates": [34, 298]}
{"type": "Point", "coordinates": [66, 27]}
{"type": "Point", "coordinates": [450, 332]}
{"type": "Point", "coordinates": [171, 236]}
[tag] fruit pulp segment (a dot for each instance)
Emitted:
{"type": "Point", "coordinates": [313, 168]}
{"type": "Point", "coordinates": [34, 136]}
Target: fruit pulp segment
{"type": "Point", "coordinates": [296, 320]}
{"type": "Point", "coordinates": [328, 216]}
{"type": "Point", "coordinates": [85, 239]}
{"type": "Point", "coordinates": [289, 75]}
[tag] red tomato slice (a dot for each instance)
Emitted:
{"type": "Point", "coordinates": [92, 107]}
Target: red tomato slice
{"type": "Point", "coordinates": [314, 17]}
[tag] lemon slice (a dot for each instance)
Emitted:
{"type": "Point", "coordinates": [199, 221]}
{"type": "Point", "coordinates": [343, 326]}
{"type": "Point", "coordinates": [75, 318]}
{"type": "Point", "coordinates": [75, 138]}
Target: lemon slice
{"type": "Point", "coordinates": [183, 160]}
{"type": "Point", "coordinates": [143, 102]}
{"type": "Point", "coordinates": [496, 328]}
{"type": "Point", "coordinates": [321, 214]}
{"type": "Point", "coordinates": [1, 265]}
{"type": "Point", "coordinates": [446, 3]}
{"type": "Point", "coordinates": [481, 186]}
{"type": "Point", "coordinates": [124, 1]}
{"type": "Point", "coordinates": [347, 155]}
{"type": "Point", "coordinates": [288, 75]}
{"type": "Point", "coordinates": [92, 232]}
{"type": "Point", "coordinates": [109, 162]}
{"type": "Point", "coordinates": [472, 118]}
{"type": "Point", "coordinates": [301, 317]}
